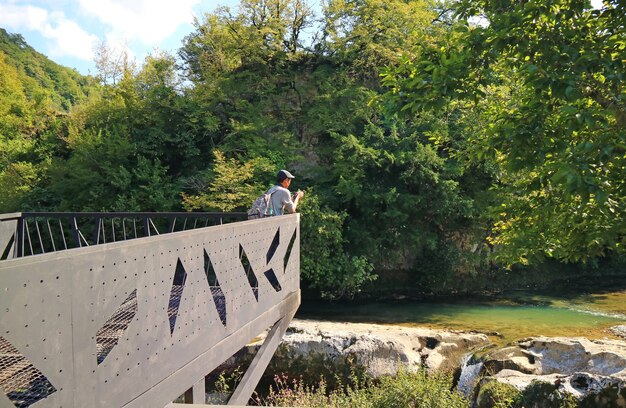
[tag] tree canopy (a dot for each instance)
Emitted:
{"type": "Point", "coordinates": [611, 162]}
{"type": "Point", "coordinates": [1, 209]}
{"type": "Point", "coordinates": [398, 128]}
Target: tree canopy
{"type": "Point", "coordinates": [437, 142]}
{"type": "Point", "coordinates": [546, 79]}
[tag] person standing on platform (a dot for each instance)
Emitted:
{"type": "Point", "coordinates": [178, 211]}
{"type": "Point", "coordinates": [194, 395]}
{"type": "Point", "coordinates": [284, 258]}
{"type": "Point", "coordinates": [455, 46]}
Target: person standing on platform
{"type": "Point", "coordinates": [283, 202]}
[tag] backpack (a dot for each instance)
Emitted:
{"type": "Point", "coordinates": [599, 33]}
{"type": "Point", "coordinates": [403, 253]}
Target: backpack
{"type": "Point", "coordinates": [262, 206]}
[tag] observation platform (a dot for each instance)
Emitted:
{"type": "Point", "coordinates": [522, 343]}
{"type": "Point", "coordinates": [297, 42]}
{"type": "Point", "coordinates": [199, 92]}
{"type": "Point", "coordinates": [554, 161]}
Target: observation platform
{"type": "Point", "coordinates": [135, 309]}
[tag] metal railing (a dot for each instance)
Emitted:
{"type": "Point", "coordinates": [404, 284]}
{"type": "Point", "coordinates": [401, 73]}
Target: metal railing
{"type": "Point", "coordinates": [139, 322]}
{"type": "Point", "coordinates": [32, 233]}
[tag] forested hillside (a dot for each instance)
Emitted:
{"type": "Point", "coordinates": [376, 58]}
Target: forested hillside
{"type": "Point", "coordinates": [35, 96]}
{"type": "Point", "coordinates": [434, 152]}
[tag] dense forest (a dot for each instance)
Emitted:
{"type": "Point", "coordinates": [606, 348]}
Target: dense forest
{"type": "Point", "coordinates": [444, 147]}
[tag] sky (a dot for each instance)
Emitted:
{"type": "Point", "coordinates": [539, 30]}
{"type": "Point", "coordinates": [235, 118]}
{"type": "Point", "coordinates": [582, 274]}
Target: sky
{"type": "Point", "coordinates": [66, 31]}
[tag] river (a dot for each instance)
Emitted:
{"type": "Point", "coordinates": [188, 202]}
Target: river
{"type": "Point", "coordinates": [505, 318]}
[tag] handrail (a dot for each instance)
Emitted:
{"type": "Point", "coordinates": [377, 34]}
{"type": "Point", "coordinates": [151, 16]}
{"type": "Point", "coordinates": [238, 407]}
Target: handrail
{"type": "Point", "coordinates": [32, 233]}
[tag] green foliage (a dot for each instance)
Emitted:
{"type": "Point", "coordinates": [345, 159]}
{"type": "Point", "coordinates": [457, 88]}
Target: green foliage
{"type": "Point", "coordinates": [264, 88]}
{"type": "Point", "coordinates": [547, 78]}
{"type": "Point", "coordinates": [498, 142]}
{"type": "Point", "coordinates": [371, 34]}
{"type": "Point", "coordinates": [398, 189]}
{"type": "Point", "coordinates": [545, 395]}
{"type": "Point", "coordinates": [406, 389]}
{"type": "Point", "coordinates": [325, 263]}
{"type": "Point", "coordinates": [103, 173]}
{"type": "Point", "coordinates": [248, 70]}
{"type": "Point", "coordinates": [16, 181]}
{"type": "Point", "coordinates": [419, 390]}
{"type": "Point", "coordinates": [233, 185]}
{"type": "Point", "coordinates": [35, 95]}
{"type": "Point", "coordinates": [494, 394]}
{"type": "Point", "coordinates": [41, 78]}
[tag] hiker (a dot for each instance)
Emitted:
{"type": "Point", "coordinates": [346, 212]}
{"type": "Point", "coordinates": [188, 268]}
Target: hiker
{"type": "Point", "coordinates": [282, 200]}
{"type": "Point", "coordinates": [277, 200]}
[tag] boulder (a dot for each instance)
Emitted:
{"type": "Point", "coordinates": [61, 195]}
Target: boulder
{"type": "Point", "coordinates": [592, 372]}
{"type": "Point", "coordinates": [552, 390]}
{"type": "Point", "coordinates": [509, 358]}
{"type": "Point", "coordinates": [328, 348]}
{"type": "Point", "coordinates": [570, 355]}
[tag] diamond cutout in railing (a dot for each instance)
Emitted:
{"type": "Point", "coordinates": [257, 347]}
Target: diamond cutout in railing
{"type": "Point", "coordinates": [176, 293]}
{"type": "Point", "coordinates": [216, 290]}
{"type": "Point", "coordinates": [252, 280]}
{"type": "Point", "coordinates": [290, 248]}
{"type": "Point", "coordinates": [21, 381]}
{"type": "Point", "coordinates": [273, 280]}
{"type": "Point", "coordinates": [113, 329]}
{"type": "Point", "coordinates": [273, 247]}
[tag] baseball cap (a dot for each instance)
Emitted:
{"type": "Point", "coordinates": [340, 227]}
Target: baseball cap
{"type": "Point", "coordinates": [284, 174]}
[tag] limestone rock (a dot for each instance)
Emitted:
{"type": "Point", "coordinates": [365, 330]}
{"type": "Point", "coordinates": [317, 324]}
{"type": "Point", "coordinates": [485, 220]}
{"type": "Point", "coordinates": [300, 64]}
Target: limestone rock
{"type": "Point", "coordinates": [552, 390]}
{"type": "Point", "coordinates": [509, 358]}
{"type": "Point", "coordinates": [590, 371]}
{"type": "Point", "coordinates": [381, 348]}
{"type": "Point", "coordinates": [328, 347]}
{"type": "Point", "coordinates": [619, 330]}
{"type": "Point", "coordinates": [570, 355]}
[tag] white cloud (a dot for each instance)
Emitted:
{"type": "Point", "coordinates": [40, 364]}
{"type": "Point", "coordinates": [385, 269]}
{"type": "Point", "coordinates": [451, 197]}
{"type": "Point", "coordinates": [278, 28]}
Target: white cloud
{"type": "Point", "coordinates": [66, 37]}
{"type": "Point", "coordinates": [148, 21]}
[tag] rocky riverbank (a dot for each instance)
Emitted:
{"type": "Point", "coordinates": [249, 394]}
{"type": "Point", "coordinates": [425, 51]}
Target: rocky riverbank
{"type": "Point", "coordinates": [591, 372]}
{"type": "Point", "coordinates": [552, 367]}
{"type": "Point", "coordinates": [311, 349]}
{"type": "Point", "coordinates": [378, 349]}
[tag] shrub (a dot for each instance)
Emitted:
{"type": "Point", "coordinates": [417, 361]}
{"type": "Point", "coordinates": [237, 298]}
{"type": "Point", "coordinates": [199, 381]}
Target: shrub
{"type": "Point", "coordinates": [406, 389]}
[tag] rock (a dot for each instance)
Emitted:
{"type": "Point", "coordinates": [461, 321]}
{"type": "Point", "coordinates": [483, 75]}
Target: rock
{"type": "Point", "coordinates": [592, 372]}
{"type": "Point", "coordinates": [380, 349]}
{"type": "Point", "coordinates": [328, 348]}
{"type": "Point", "coordinates": [535, 370]}
{"type": "Point", "coordinates": [570, 355]}
{"type": "Point", "coordinates": [511, 358]}
{"type": "Point", "coordinates": [587, 389]}
{"type": "Point", "coordinates": [619, 330]}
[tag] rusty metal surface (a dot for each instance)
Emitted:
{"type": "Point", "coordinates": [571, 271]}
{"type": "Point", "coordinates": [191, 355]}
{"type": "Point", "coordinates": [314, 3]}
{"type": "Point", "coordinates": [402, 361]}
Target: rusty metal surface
{"type": "Point", "coordinates": [115, 324]}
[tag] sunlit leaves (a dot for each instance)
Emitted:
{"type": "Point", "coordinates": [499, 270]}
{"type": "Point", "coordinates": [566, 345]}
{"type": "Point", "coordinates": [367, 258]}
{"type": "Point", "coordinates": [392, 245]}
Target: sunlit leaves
{"type": "Point", "coordinates": [557, 134]}
{"type": "Point", "coordinates": [233, 185]}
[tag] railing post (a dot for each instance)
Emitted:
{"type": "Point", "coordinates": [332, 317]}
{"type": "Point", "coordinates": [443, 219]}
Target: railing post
{"type": "Point", "coordinates": [96, 230]}
{"type": "Point", "coordinates": [146, 226]}
{"type": "Point", "coordinates": [19, 238]}
{"type": "Point", "coordinates": [76, 232]}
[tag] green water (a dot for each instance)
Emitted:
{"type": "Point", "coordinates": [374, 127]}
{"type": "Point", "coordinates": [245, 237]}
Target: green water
{"type": "Point", "coordinates": [504, 318]}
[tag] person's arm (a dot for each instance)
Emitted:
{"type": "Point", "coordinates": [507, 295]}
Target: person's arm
{"type": "Point", "coordinates": [298, 196]}
{"type": "Point", "coordinates": [290, 204]}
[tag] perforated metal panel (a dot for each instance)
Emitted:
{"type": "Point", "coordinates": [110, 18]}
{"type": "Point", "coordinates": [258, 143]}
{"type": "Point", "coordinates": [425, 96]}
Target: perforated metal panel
{"type": "Point", "coordinates": [8, 227]}
{"type": "Point", "coordinates": [115, 324]}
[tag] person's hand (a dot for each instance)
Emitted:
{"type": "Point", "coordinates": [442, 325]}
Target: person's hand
{"type": "Point", "coordinates": [300, 194]}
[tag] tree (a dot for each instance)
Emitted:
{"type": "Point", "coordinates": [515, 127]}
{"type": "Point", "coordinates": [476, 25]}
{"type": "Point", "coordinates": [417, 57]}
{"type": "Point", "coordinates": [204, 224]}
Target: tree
{"type": "Point", "coordinates": [557, 136]}
{"type": "Point", "coordinates": [233, 185]}
{"type": "Point", "coordinates": [35, 96]}
{"type": "Point", "coordinates": [371, 34]}
{"type": "Point", "coordinates": [327, 262]}
{"type": "Point", "coordinates": [111, 64]}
